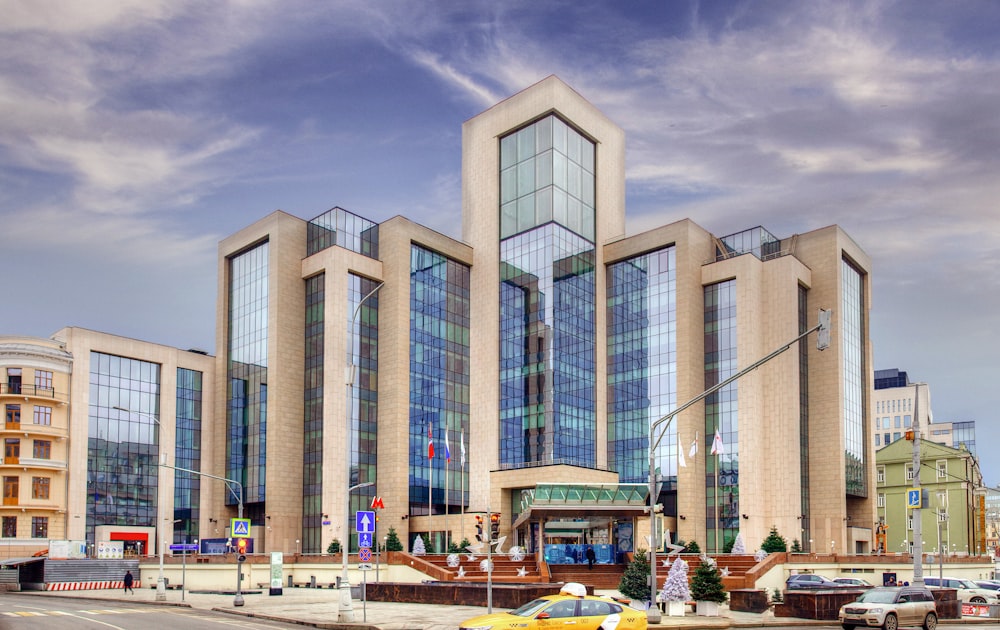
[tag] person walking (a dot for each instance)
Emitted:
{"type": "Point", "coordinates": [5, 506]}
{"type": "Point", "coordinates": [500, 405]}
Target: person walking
{"type": "Point", "coordinates": [590, 557]}
{"type": "Point", "coordinates": [128, 582]}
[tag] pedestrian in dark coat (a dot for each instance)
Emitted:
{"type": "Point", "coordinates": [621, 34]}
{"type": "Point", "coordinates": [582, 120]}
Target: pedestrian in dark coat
{"type": "Point", "coordinates": [128, 582]}
{"type": "Point", "coordinates": [590, 557]}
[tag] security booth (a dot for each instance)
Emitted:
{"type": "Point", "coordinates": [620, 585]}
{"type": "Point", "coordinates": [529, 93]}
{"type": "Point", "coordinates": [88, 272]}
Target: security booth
{"type": "Point", "coordinates": [563, 520]}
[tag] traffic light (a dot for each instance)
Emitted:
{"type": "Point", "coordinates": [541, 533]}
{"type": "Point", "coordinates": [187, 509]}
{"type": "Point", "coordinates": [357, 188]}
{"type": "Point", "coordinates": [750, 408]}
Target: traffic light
{"type": "Point", "coordinates": [494, 525]}
{"type": "Point", "coordinates": [479, 528]}
{"type": "Point", "coordinates": [241, 548]}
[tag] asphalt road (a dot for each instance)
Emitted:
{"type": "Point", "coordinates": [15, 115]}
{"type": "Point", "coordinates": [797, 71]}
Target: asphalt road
{"type": "Point", "coordinates": [30, 612]}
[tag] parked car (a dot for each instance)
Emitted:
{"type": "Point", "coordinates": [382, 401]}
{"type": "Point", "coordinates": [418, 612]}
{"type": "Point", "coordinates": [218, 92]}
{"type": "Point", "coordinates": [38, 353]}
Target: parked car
{"type": "Point", "coordinates": [992, 585]}
{"type": "Point", "coordinates": [845, 581]}
{"type": "Point", "coordinates": [890, 607]}
{"type": "Point", "coordinates": [571, 606]}
{"type": "Point", "coordinates": [809, 580]}
{"type": "Point", "coordinates": [968, 591]}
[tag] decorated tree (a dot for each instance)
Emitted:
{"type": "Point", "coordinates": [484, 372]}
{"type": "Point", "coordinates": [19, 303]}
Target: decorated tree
{"type": "Point", "coordinates": [392, 542]}
{"type": "Point", "coordinates": [675, 586]}
{"type": "Point", "coordinates": [692, 547]}
{"type": "Point", "coordinates": [739, 548]}
{"type": "Point", "coordinates": [707, 584]}
{"type": "Point", "coordinates": [334, 546]}
{"type": "Point", "coordinates": [418, 546]}
{"type": "Point", "coordinates": [774, 542]}
{"type": "Point", "coordinates": [634, 583]}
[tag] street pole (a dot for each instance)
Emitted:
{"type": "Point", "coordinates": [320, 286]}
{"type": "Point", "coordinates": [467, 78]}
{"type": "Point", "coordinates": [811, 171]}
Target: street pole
{"type": "Point", "coordinates": [238, 600]}
{"type": "Point", "coordinates": [918, 541]}
{"type": "Point", "coordinates": [161, 588]}
{"type": "Point", "coordinates": [346, 611]}
{"type": "Point", "coordinates": [653, 612]}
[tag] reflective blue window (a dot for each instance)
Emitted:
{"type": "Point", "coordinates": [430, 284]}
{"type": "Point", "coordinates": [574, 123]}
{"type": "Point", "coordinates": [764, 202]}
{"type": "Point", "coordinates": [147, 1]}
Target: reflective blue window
{"type": "Point", "coordinates": [363, 356]}
{"type": "Point", "coordinates": [642, 367]}
{"type": "Point", "coordinates": [187, 454]}
{"type": "Point", "coordinates": [852, 346]}
{"type": "Point", "coordinates": [547, 343]}
{"type": "Point", "coordinates": [439, 381]}
{"type": "Point", "coordinates": [343, 229]}
{"type": "Point", "coordinates": [721, 414]}
{"type": "Point", "coordinates": [546, 174]}
{"type": "Point", "coordinates": [246, 399]}
{"type": "Point", "coordinates": [122, 446]}
{"type": "Point", "coordinates": [312, 430]}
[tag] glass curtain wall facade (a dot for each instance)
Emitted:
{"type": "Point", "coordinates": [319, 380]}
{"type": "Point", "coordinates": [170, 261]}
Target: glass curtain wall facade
{"type": "Point", "coordinates": [439, 381]}
{"type": "Point", "coordinates": [547, 296]}
{"type": "Point", "coordinates": [852, 346]}
{"type": "Point", "coordinates": [642, 368]}
{"type": "Point", "coordinates": [312, 450]}
{"type": "Point", "coordinates": [343, 229]}
{"type": "Point", "coordinates": [806, 530]}
{"type": "Point", "coordinates": [122, 446]}
{"type": "Point", "coordinates": [246, 400]}
{"type": "Point", "coordinates": [187, 454]}
{"type": "Point", "coordinates": [362, 356]}
{"type": "Point", "coordinates": [722, 415]}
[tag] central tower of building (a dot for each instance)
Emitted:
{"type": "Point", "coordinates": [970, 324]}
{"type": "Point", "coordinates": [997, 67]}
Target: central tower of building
{"type": "Point", "coordinates": [543, 189]}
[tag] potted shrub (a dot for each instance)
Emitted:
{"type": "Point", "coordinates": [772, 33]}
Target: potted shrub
{"type": "Point", "coordinates": [707, 590]}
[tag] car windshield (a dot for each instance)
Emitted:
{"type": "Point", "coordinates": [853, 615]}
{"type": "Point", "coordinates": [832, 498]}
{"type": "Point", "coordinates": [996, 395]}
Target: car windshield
{"type": "Point", "coordinates": [530, 608]}
{"type": "Point", "coordinates": [878, 596]}
{"type": "Point", "coordinates": [966, 584]}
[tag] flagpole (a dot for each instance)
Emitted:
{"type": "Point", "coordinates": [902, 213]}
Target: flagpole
{"type": "Point", "coordinates": [447, 488]}
{"type": "Point", "coordinates": [718, 520]}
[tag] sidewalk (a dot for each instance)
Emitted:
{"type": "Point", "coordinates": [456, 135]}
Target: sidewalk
{"type": "Point", "coordinates": [319, 608]}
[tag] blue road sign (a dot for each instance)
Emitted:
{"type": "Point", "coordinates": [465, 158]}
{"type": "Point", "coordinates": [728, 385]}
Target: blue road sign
{"type": "Point", "coordinates": [364, 540]}
{"type": "Point", "coordinates": [184, 547]}
{"type": "Point", "coordinates": [364, 522]}
{"type": "Point", "coordinates": [240, 527]}
{"type": "Point", "coordinates": [913, 498]}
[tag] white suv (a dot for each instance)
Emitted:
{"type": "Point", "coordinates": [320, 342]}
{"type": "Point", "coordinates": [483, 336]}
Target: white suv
{"type": "Point", "coordinates": [968, 591]}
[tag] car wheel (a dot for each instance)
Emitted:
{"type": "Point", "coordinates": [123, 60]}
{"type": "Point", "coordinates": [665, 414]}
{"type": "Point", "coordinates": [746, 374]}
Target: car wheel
{"type": "Point", "coordinates": [977, 600]}
{"type": "Point", "coordinates": [930, 621]}
{"type": "Point", "coordinates": [847, 626]}
{"type": "Point", "coordinates": [891, 623]}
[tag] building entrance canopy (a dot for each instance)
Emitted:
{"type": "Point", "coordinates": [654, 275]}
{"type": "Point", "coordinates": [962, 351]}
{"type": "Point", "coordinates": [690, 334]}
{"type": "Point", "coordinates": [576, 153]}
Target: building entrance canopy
{"type": "Point", "coordinates": [561, 500]}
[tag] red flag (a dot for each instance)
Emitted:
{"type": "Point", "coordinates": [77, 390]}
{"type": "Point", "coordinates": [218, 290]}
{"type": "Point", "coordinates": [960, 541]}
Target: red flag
{"type": "Point", "coordinates": [430, 442]}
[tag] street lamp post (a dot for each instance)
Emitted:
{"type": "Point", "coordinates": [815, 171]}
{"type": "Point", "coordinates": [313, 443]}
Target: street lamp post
{"type": "Point", "coordinates": [161, 587]}
{"type": "Point", "coordinates": [823, 327]}
{"type": "Point", "coordinates": [346, 609]}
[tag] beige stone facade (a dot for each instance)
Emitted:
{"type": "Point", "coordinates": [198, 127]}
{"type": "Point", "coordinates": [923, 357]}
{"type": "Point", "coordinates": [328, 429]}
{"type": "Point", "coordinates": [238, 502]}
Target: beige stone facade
{"type": "Point", "coordinates": [34, 397]}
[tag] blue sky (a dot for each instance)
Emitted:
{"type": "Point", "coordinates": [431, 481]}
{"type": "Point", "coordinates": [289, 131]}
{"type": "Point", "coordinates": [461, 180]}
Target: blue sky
{"type": "Point", "coordinates": [135, 134]}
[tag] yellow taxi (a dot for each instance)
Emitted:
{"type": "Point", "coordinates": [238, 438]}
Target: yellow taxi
{"type": "Point", "coordinates": [571, 608]}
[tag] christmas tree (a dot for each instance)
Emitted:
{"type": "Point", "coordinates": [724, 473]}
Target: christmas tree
{"type": "Point", "coordinates": [392, 541]}
{"type": "Point", "coordinates": [418, 546]}
{"type": "Point", "coordinates": [707, 584]}
{"type": "Point", "coordinates": [675, 586]}
{"type": "Point", "coordinates": [738, 547]}
{"type": "Point", "coordinates": [634, 582]}
{"type": "Point", "coordinates": [774, 542]}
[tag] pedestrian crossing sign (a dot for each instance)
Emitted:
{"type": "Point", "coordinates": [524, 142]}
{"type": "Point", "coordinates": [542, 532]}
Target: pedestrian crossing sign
{"type": "Point", "coordinates": [913, 498]}
{"type": "Point", "coordinates": [240, 527]}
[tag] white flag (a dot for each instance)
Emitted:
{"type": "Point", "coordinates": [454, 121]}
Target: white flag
{"type": "Point", "coordinates": [694, 446]}
{"type": "Point", "coordinates": [463, 448]}
{"type": "Point", "coordinates": [680, 455]}
{"type": "Point", "coordinates": [717, 448]}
